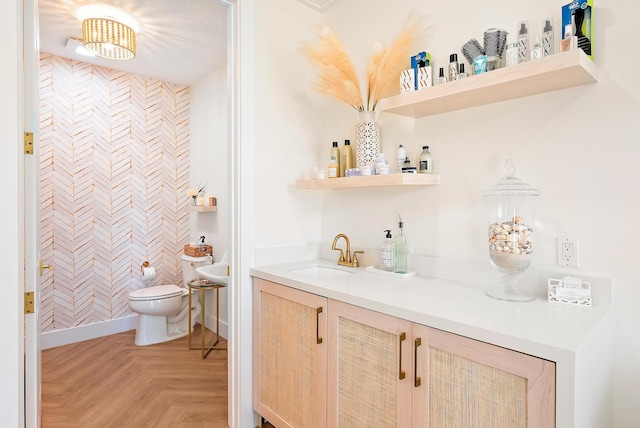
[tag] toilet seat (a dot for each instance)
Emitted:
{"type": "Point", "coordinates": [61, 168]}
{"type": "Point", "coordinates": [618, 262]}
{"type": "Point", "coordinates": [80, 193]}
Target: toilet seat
{"type": "Point", "coordinates": [157, 292]}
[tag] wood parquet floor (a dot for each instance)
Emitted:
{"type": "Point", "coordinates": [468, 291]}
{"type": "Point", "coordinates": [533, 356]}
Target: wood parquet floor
{"type": "Point", "coordinates": [111, 383]}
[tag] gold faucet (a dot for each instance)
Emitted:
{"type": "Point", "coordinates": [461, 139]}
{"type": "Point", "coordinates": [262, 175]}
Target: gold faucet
{"type": "Point", "coordinates": [342, 260]}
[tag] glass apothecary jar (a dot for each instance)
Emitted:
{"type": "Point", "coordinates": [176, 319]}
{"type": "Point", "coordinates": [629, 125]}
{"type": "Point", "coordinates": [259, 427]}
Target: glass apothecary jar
{"type": "Point", "coordinates": [512, 207]}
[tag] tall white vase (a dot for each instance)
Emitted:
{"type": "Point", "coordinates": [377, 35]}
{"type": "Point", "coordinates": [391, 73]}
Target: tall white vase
{"type": "Point", "coordinates": [367, 139]}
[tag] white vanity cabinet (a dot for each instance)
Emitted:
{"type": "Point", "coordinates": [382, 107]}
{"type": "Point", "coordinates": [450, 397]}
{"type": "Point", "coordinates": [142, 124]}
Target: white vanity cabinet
{"type": "Point", "coordinates": [372, 369]}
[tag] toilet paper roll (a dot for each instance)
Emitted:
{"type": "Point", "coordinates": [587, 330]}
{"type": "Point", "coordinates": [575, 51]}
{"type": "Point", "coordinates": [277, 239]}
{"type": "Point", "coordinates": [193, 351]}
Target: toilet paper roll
{"type": "Point", "coordinates": [148, 273]}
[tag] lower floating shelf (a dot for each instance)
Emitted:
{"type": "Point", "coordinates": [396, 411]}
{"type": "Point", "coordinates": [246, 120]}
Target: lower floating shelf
{"type": "Point", "coordinates": [202, 208]}
{"type": "Point", "coordinates": [371, 181]}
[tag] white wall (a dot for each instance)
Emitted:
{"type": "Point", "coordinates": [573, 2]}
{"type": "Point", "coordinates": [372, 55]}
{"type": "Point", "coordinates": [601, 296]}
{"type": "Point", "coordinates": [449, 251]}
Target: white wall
{"type": "Point", "coordinates": [288, 126]}
{"type": "Point", "coordinates": [209, 166]}
{"type": "Point", "coordinates": [578, 146]}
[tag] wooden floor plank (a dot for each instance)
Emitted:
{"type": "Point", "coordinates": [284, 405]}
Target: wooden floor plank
{"type": "Point", "coordinates": [110, 382]}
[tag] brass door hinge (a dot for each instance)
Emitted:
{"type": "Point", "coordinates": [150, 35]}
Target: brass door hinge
{"type": "Point", "coordinates": [28, 143]}
{"type": "Point", "coordinates": [28, 302]}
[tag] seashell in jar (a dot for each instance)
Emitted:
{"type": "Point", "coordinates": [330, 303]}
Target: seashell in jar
{"type": "Point", "coordinates": [501, 237]}
{"type": "Point", "coordinates": [517, 219]}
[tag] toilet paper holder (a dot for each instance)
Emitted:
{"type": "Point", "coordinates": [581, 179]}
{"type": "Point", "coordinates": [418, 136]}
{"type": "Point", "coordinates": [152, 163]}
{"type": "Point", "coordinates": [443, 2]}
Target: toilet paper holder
{"type": "Point", "coordinates": [144, 265]}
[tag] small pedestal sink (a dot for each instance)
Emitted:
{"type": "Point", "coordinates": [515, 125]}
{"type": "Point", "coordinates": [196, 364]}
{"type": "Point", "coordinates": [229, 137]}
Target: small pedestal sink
{"type": "Point", "coordinates": [216, 272]}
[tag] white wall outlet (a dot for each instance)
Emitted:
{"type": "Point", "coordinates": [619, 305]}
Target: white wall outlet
{"type": "Point", "coordinates": [568, 252]}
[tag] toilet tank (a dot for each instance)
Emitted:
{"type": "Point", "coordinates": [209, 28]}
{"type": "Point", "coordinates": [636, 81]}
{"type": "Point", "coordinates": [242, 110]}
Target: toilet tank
{"type": "Point", "coordinates": [189, 265]}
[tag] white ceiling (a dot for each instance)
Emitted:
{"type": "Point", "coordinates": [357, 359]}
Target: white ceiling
{"type": "Point", "coordinates": [180, 41]}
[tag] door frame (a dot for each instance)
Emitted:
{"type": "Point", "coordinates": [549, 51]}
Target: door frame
{"type": "Point", "coordinates": [242, 211]}
{"type": "Point", "coordinates": [31, 193]}
{"type": "Point", "coordinates": [242, 216]}
{"type": "Point", "coordinates": [12, 226]}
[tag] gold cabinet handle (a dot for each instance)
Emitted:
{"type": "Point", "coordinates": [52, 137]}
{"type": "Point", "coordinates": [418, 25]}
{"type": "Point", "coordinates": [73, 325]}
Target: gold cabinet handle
{"type": "Point", "coordinates": [318, 312]}
{"type": "Point", "coordinates": [43, 267]}
{"type": "Point", "coordinates": [417, 381]}
{"type": "Point", "coordinates": [401, 374]}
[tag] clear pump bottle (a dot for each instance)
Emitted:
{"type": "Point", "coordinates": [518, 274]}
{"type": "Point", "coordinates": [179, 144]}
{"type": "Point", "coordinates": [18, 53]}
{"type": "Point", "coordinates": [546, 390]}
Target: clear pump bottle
{"type": "Point", "coordinates": [401, 249]}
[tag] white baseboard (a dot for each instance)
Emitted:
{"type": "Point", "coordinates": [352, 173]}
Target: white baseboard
{"type": "Point", "coordinates": [210, 323]}
{"type": "Point", "coordinates": [52, 339]}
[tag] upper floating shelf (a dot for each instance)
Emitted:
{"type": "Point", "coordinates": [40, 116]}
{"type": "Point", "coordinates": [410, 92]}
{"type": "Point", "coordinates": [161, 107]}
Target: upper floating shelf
{"type": "Point", "coordinates": [370, 181]}
{"type": "Point", "coordinates": [551, 73]}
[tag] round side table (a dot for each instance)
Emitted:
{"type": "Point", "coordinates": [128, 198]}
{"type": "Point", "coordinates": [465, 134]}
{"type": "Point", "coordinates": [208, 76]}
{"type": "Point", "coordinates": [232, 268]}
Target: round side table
{"type": "Point", "coordinates": [203, 285]}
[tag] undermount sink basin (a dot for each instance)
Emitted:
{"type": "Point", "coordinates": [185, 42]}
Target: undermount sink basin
{"type": "Point", "coordinates": [216, 272]}
{"type": "Point", "coordinates": [321, 272]}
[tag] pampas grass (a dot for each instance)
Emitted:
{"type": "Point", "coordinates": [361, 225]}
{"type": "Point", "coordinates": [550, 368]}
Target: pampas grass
{"type": "Point", "coordinates": [338, 77]}
{"type": "Point", "coordinates": [337, 74]}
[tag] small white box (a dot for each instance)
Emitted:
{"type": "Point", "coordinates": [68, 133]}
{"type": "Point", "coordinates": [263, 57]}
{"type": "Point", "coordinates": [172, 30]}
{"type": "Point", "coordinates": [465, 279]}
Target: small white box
{"type": "Point", "coordinates": [425, 77]}
{"type": "Point", "coordinates": [407, 81]}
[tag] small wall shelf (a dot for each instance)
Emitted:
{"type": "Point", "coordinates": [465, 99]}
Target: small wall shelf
{"type": "Point", "coordinates": [551, 73]}
{"type": "Point", "coordinates": [371, 181]}
{"type": "Point", "coordinates": [202, 208]}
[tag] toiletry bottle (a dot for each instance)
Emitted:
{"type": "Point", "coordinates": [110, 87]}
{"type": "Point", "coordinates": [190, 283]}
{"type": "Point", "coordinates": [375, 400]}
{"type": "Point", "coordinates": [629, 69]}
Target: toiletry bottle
{"type": "Point", "coordinates": [426, 165]}
{"type": "Point", "coordinates": [387, 252]}
{"type": "Point", "coordinates": [335, 153]}
{"type": "Point", "coordinates": [536, 51]}
{"type": "Point", "coordinates": [512, 54]}
{"type": "Point", "coordinates": [441, 77]}
{"type": "Point", "coordinates": [523, 41]}
{"type": "Point", "coordinates": [347, 158]}
{"type": "Point", "coordinates": [333, 169]}
{"type": "Point", "coordinates": [402, 153]}
{"type": "Point", "coordinates": [547, 37]}
{"type": "Point", "coordinates": [461, 73]}
{"type": "Point", "coordinates": [401, 249]}
{"type": "Point", "coordinates": [453, 67]}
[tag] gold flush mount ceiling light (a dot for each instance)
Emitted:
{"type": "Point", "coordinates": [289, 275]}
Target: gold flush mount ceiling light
{"type": "Point", "coordinates": [108, 32]}
{"type": "Point", "coordinates": [109, 39]}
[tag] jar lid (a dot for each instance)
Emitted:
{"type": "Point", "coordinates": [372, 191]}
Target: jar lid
{"type": "Point", "coordinates": [510, 184]}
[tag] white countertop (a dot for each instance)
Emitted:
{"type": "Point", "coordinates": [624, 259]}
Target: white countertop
{"type": "Point", "coordinates": [546, 330]}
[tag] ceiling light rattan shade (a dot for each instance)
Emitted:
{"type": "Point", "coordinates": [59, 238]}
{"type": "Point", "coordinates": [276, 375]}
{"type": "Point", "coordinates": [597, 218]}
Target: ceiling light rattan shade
{"type": "Point", "coordinates": [109, 39]}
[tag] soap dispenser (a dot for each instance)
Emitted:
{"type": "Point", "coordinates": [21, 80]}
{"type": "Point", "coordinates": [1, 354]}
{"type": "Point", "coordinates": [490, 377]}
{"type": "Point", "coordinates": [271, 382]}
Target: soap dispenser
{"type": "Point", "coordinates": [387, 252]}
{"type": "Point", "coordinates": [400, 249]}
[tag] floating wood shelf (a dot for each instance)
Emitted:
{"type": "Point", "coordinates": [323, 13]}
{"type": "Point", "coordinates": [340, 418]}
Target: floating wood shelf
{"type": "Point", "coordinates": [551, 73]}
{"type": "Point", "coordinates": [202, 208]}
{"type": "Point", "coordinates": [371, 181]}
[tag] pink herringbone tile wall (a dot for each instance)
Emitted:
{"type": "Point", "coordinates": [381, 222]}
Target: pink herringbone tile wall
{"type": "Point", "coordinates": [114, 171]}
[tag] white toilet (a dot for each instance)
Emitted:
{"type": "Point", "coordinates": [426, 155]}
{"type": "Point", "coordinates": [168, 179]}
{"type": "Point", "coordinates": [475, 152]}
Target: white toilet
{"type": "Point", "coordinates": [163, 312]}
